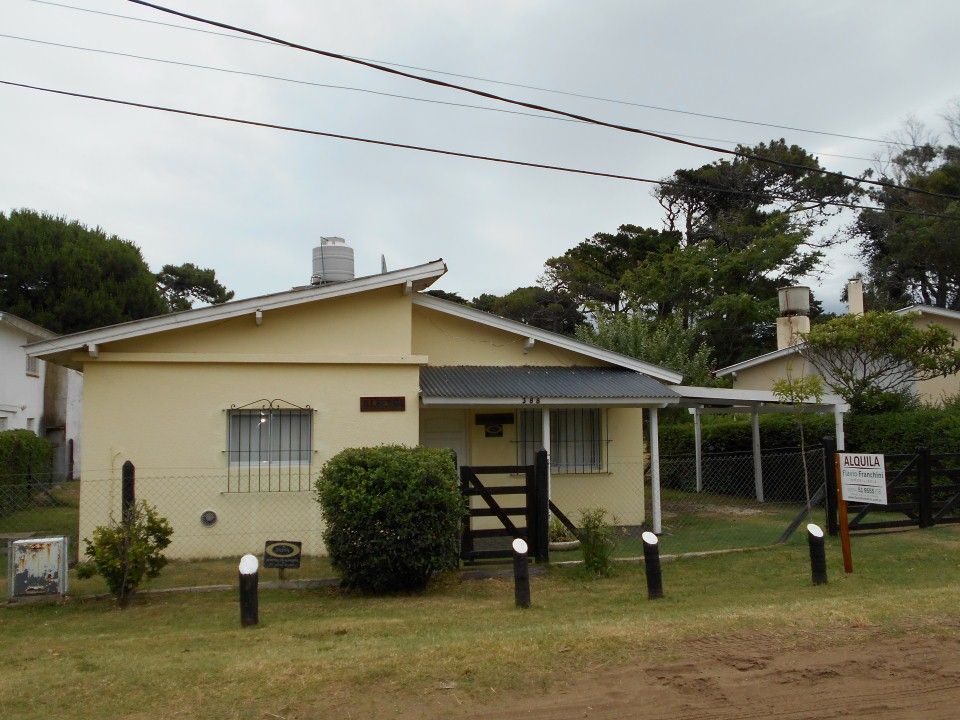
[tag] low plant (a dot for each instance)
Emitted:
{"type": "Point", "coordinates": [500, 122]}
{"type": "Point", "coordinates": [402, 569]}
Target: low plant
{"type": "Point", "coordinates": [598, 540]}
{"type": "Point", "coordinates": [393, 516]}
{"type": "Point", "coordinates": [560, 532]}
{"type": "Point", "coordinates": [126, 552]}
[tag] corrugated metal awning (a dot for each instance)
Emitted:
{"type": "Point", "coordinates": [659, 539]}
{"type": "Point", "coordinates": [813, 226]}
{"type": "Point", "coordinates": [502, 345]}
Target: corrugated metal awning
{"type": "Point", "coordinates": [446, 384]}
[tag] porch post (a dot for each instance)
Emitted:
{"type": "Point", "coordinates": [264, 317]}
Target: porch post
{"type": "Point", "coordinates": [838, 428]}
{"type": "Point", "coordinates": [655, 471]}
{"type": "Point", "coordinates": [546, 446]}
{"type": "Point", "coordinates": [757, 460]}
{"type": "Point", "coordinates": [697, 451]}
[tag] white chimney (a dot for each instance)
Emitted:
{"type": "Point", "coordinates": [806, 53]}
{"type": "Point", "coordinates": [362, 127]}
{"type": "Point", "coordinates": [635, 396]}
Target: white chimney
{"type": "Point", "coordinates": [855, 296]}
{"type": "Point", "coordinates": [794, 320]}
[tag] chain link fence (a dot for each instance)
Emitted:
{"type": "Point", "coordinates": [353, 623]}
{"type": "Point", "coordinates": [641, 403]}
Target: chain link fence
{"type": "Point", "coordinates": [723, 511]}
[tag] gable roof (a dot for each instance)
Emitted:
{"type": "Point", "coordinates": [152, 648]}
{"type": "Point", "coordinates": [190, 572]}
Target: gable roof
{"type": "Point", "coordinates": [784, 352]}
{"type": "Point", "coordinates": [545, 336]}
{"type": "Point", "coordinates": [416, 277]}
{"type": "Point", "coordinates": [31, 330]}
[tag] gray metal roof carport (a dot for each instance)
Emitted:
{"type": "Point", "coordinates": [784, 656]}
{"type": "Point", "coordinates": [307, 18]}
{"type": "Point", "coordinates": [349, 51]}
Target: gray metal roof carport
{"type": "Point", "coordinates": [543, 386]}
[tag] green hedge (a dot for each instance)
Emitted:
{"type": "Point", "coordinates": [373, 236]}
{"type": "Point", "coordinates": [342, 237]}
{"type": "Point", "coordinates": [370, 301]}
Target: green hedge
{"type": "Point", "coordinates": [22, 454]}
{"type": "Point", "coordinates": [24, 458]}
{"type": "Point", "coordinates": [393, 515]}
{"type": "Point", "coordinates": [891, 433]}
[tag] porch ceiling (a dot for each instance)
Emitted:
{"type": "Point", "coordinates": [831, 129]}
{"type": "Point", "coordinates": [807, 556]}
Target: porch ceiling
{"type": "Point", "coordinates": [491, 385]}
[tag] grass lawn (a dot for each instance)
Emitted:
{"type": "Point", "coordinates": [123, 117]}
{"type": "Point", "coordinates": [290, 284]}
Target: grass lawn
{"type": "Point", "coordinates": [320, 653]}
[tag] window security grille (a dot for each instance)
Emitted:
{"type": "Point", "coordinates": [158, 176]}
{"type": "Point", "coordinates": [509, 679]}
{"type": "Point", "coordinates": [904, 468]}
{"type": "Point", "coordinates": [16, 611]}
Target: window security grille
{"type": "Point", "coordinates": [577, 442]}
{"type": "Point", "coordinates": [269, 448]}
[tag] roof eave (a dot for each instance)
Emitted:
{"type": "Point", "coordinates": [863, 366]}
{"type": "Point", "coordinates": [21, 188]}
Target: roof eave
{"type": "Point", "coordinates": [419, 277]}
{"type": "Point", "coordinates": [548, 402]}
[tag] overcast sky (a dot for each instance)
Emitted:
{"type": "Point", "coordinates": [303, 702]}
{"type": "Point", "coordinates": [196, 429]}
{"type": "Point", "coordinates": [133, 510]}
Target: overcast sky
{"type": "Point", "coordinates": [252, 202]}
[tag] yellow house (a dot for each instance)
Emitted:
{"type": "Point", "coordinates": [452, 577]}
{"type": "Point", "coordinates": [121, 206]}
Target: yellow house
{"type": "Point", "coordinates": [761, 372]}
{"type": "Point", "coordinates": [228, 412]}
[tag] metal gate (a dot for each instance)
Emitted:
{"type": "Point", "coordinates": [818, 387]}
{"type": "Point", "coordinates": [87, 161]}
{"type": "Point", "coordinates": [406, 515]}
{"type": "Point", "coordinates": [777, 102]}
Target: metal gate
{"type": "Point", "coordinates": [528, 520]}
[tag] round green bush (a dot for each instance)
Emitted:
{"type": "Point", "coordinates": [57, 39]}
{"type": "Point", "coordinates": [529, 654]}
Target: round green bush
{"type": "Point", "coordinates": [393, 516]}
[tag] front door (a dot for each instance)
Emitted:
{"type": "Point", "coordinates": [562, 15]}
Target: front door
{"type": "Point", "coordinates": [442, 428]}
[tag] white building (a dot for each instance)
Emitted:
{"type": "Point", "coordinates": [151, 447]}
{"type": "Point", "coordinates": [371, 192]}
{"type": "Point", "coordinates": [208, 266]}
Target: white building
{"type": "Point", "coordinates": [37, 396]}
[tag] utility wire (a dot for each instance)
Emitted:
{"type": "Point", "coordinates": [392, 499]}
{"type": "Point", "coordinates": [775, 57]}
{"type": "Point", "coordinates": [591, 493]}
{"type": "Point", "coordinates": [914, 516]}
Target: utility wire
{"type": "Point", "coordinates": [507, 83]}
{"type": "Point", "coordinates": [296, 81]}
{"type": "Point", "coordinates": [472, 156]}
{"type": "Point", "coordinates": [545, 108]}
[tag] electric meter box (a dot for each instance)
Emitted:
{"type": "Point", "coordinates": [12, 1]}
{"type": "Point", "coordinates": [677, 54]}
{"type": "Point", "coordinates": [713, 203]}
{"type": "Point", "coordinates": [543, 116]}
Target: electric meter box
{"type": "Point", "coordinates": [38, 567]}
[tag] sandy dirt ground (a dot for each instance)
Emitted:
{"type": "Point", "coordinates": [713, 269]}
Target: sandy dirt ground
{"type": "Point", "coordinates": [881, 678]}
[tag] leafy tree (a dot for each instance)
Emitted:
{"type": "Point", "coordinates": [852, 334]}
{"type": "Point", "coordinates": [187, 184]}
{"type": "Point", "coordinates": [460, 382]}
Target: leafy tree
{"type": "Point", "coordinates": [875, 357]}
{"type": "Point", "coordinates": [594, 271]}
{"type": "Point", "coordinates": [551, 310]}
{"type": "Point", "coordinates": [734, 231]}
{"type": "Point", "coordinates": [912, 258]}
{"type": "Point", "coordinates": [182, 285]}
{"type": "Point", "coordinates": [663, 342]}
{"type": "Point", "coordinates": [66, 277]}
{"type": "Point", "coordinates": [451, 296]}
{"type": "Point", "coordinates": [796, 391]}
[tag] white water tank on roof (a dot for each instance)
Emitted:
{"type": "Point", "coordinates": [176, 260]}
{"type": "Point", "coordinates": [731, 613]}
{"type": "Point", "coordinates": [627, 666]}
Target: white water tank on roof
{"type": "Point", "coordinates": [332, 261]}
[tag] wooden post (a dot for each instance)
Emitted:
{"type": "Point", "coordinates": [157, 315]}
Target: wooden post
{"type": "Point", "coordinates": [540, 533]}
{"type": "Point", "coordinates": [521, 574]}
{"type": "Point", "coordinates": [651, 560]}
{"type": "Point", "coordinates": [127, 491]}
{"type": "Point", "coordinates": [844, 523]}
{"type": "Point", "coordinates": [830, 499]}
{"type": "Point", "coordinates": [818, 555]}
{"type": "Point", "coordinates": [925, 482]}
{"type": "Point", "coordinates": [466, 537]}
{"type": "Point", "coordinates": [249, 604]}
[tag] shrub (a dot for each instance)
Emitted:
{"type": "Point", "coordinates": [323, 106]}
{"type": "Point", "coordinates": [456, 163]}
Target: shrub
{"type": "Point", "coordinates": [393, 516]}
{"type": "Point", "coordinates": [24, 458]}
{"type": "Point", "coordinates": [126, 552]}
{"type": "Point", "coordinates": [597, 541]}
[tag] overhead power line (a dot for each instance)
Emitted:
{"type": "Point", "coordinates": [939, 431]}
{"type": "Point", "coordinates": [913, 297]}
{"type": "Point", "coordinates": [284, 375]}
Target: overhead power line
{"type": "Point", "coordinates": [568, 93]}
{"type": "Point", "coordinates": [544, 108]}
{"type": "Point", "coordinates": [297, 81]}
{"type": "Point", "coordinates": [453, 153]}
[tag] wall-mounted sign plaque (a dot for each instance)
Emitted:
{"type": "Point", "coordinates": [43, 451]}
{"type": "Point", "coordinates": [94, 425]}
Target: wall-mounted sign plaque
{"type": "Point", "coordinates": [383, 404]}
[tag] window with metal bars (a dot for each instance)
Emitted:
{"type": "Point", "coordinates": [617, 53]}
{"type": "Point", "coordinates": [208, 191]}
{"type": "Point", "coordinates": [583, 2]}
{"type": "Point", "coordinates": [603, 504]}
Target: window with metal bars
{"type": "Point", "coordinates": [269, 436]}
{"type": "Point", "coordinates": [577, 443]}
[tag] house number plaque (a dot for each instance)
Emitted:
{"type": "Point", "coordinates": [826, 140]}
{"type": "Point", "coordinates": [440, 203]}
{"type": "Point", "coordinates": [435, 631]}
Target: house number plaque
{"type": "Point", "coordinates": [383, 404]}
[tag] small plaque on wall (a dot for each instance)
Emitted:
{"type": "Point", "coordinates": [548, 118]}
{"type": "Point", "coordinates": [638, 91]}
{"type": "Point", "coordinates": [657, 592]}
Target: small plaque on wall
{"type": "Point", "coordinates": [383, 404]}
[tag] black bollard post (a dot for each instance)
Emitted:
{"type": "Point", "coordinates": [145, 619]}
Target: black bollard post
{"type": "Point", "coordinates": [249, 577]}
{"type": "Point", "coordinates": [128, 497]}
{"type": "Point", "coordinates": [818, 555]}
{"type": "Point", "coordinates": [521, 573]}
{"type": "Point", "coordinates": [651, 559]}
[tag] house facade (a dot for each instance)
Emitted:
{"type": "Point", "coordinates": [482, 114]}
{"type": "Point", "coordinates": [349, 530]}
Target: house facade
{"type": "Point", "coordinates": [229, 412]}
{"type": "Point", "coordinates": [37, 396]}
{"type": "Point", "coordinates": [761, 372]}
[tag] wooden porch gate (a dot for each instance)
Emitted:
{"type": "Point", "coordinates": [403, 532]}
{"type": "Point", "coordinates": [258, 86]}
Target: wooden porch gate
{"type": "Point", "coordinates": [528, 520]}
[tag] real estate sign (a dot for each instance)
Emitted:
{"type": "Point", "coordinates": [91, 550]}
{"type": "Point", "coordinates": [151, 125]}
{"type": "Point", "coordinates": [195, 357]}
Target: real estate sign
{"type": "Point", "coordinates": [863, 478]}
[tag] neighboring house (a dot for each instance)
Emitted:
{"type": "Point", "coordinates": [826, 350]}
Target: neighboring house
{"type": "Point", "coordinates": [38, 396]}
{"type": "Point", "coordinates": [229, 411]}
{"type": "Point", "coordinates": [761, 372]}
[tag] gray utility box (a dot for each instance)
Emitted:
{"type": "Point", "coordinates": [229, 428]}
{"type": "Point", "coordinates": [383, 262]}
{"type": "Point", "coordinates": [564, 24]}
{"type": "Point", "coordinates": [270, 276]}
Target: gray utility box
{"type": "Point", "coordinates": [38, 567]}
